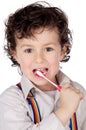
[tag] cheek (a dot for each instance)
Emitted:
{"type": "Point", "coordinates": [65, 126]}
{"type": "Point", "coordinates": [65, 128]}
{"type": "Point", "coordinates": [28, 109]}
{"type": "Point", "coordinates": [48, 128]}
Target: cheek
{"type": "Point", "coordinates": [54, 62]}
{"type": "Point", "coordinates": [24, 63]}
{"type": "Point", "coordinates": [55, 59]}
{"type": "Point", "coordinates": [54, 68]}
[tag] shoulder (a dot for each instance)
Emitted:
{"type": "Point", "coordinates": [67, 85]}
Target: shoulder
{"type": "Point", "coordinates": [13, 106]}
{"type": "Point", "coordinates": [79, 86]}
{"type": "Point", "coordinates": [12, 90]}
{"type": "Point", "coordinates": [11, 96]}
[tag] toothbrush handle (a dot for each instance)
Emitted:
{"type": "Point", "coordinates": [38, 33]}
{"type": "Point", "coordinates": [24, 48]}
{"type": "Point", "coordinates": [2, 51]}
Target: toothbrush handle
{"type": "Point", "coordinates": [57, 86]}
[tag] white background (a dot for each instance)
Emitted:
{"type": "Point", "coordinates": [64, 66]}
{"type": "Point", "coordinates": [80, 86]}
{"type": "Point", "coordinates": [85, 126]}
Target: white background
{"type": "Point", "coordinates": [76, 67]}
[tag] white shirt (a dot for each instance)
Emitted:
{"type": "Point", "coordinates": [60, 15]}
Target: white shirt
{"type": "Point", "coordinates": [16, 114]}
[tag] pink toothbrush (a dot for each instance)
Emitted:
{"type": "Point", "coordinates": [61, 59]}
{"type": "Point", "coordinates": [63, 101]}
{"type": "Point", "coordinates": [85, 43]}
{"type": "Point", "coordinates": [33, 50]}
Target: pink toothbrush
{"type": "Point", "coordinates": [39, 73]}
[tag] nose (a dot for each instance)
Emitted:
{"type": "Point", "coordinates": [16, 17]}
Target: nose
{"type": "Point", "coordinates": [39, 57]}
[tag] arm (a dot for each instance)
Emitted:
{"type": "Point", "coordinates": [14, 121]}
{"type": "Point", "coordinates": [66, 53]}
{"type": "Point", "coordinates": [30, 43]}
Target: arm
{"type": "Point", "coordinates": [70, 98]}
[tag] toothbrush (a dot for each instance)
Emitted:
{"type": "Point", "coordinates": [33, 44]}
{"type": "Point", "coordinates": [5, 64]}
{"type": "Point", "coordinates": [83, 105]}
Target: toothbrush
{"type": "Point", "coordinates": [40, 74]}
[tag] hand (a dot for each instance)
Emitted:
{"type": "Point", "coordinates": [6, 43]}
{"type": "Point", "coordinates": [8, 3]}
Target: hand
{"type": "Point", "coordinates": [70, 98]}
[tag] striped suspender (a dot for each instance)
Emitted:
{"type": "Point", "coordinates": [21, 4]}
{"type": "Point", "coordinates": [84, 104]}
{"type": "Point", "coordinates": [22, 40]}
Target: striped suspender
{"type": "Point", "coordinates": [73, 122]}
{"type": "Point", "coordinates": [36, 112]}
{"type": "Point", "coordinates": [34, 105]}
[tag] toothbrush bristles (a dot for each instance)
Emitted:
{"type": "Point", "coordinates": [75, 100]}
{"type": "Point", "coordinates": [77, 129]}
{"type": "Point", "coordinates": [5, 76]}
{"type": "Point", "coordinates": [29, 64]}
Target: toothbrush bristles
{"type": "Point", "coordinates": [38, 73]}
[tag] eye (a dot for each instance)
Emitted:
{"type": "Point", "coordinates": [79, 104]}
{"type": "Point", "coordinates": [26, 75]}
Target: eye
{"type": "Point", "coordinates": [29, 50]}
{"type": "Point", "coordinates": [49, 49]}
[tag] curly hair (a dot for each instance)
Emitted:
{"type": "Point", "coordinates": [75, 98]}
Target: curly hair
{"type": "Point", "coordinates": [26, 20]}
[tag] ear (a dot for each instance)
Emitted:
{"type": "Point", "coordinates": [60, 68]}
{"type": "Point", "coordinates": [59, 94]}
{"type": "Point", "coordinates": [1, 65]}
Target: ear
{"type": "Point", "coordinates": [14, 55]}
{"type": "Point", "coordinates": [64, 51]}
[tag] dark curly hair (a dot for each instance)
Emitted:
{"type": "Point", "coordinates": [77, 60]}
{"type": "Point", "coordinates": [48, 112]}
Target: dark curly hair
{"type": "Point", "coordinates": [26, 20]}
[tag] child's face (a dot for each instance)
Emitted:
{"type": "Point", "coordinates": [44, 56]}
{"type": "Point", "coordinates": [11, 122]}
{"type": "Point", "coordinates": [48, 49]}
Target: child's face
{"type": "Point", "coordinates": [42, 52]}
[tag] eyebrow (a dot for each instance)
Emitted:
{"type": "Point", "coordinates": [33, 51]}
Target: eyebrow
{"type": "Point", "coordinates": [25, 45]}
{"type": "Point", "coordinates": [51, 44]}
{"type": "Point", "coordinates": [46, 44]}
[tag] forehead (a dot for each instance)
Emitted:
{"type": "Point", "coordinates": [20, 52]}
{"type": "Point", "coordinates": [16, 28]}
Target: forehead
{"type": "Point", "coordinates": [42, 35]}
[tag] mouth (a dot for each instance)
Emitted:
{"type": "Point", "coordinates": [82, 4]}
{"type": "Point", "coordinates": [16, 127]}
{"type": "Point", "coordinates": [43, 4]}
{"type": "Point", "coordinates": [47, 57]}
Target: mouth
{"type": "Point", "coordinates": [44, 71]}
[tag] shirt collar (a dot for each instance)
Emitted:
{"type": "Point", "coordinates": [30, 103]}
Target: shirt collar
{"type": "Point", "coordinates": [62, 78]}
{"type": "Point", "coordinates": [27, 85]}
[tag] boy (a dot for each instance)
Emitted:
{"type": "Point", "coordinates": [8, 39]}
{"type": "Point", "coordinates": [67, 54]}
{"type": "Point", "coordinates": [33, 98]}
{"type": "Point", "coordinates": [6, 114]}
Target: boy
{"type": "Point", "coordinates": [38, 38]}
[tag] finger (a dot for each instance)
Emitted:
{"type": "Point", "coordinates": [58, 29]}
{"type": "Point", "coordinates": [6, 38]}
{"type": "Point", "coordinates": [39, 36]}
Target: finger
{"type": "Point", "coordinates": [67, 85]}
{"type": "Point", "coordinates": [78, 90]}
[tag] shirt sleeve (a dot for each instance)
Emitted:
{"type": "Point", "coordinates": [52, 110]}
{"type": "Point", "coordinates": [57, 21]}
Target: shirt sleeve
{"type": "Point", "coordinates": [13, 114]}
{"type": "Point", "coordinates": [81, 112]}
